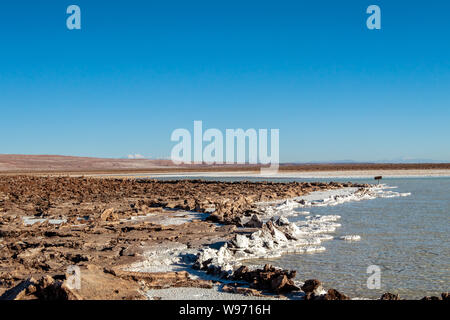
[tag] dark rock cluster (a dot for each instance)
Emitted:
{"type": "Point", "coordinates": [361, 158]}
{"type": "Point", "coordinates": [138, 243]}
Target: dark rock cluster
{"type": "Point", "coordinates": [268, 278]}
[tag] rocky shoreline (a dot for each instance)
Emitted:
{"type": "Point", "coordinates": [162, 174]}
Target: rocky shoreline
{"type": "Point", "coordinates": [130, 235]}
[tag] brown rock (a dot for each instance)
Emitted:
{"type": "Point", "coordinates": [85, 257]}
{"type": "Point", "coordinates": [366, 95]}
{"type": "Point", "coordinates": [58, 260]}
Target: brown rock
{"type": "Point", "coordinates": [428, 298]}
{"type": "Point", "coordinates": [19, 291]}
{"type": "Point", "coordinates": [46, 288]}
{"type": "Point", "coordinates": [312, 286]}
{"type": "Point", "coordinates": [268, 278]}
{"type": "Point", "coordinates": [333, 294]}
{"type": "Point", "coordinates": [215, 217]}
{"type": "Point", "coordinates": [254, 222]}
{"type": "Point", "coordinates": [309, 296]}
{"type": "Point", "coordinates": [131, 251]}
{"type": "Point", "coordinates": [279, 282]}
{"type": "Point", "coordinates": [283, 284]}
{"type": "Point", "coordinates": [51, 289]}
{"type": "Point", "coordinates": [109, 215]}
{"type": "Point", "coordinates": [389, 296]}
{"type": "Point", "coordinates": [242, 290]}
{"type": "Point", "coordinates": [239, 273]}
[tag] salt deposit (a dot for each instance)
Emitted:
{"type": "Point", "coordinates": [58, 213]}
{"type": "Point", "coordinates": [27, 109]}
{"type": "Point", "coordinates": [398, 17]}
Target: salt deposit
{"type": "Point", "coordinates": [353, 237]}
{"type": "Point", "coordinates": [28, 221]}
{"type": "Point", "coordinates": [170, 256]}
{"type": "Point", "coordinates": [326, 198]}
{"type": "Point", "coordinates": [278, 236]}
{"type": "Point", "coordinates": [274, 237]}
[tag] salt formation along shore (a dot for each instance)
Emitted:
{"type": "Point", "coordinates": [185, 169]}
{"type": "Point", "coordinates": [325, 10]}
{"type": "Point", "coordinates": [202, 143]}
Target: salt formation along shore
{"type": "Point", "coordinates": [278, 236]}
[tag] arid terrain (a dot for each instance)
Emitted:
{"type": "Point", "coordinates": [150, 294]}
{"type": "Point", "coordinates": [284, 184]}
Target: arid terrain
{"type": "Point", "coordinates": [50, 223]}
{"type": "Point", "coordinates": [54, 217]}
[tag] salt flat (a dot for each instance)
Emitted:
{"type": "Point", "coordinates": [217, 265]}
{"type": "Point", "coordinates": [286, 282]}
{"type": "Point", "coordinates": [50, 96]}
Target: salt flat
{"type": "Point", "coordinates": [347, 174]}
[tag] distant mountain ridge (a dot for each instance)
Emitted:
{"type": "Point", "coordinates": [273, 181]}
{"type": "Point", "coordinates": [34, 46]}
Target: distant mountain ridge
{"type": "Point", "coordinates": [397, 160]}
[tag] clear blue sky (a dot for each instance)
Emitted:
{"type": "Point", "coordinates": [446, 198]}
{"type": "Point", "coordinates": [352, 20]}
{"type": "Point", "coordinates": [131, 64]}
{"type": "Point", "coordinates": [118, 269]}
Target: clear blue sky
{"type": "Point", "coordinates": [140, 69]}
